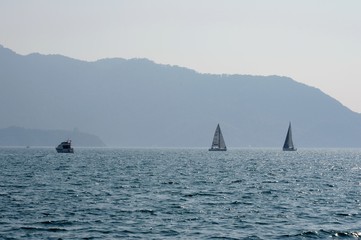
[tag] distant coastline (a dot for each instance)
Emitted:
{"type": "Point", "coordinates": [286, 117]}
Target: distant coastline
{"type": "Point", "coordinates": [22, 137]}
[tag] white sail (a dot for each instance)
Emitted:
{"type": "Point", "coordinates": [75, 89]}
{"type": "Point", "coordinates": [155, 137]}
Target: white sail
{"type": "Point", "coordinates": [218, 143]}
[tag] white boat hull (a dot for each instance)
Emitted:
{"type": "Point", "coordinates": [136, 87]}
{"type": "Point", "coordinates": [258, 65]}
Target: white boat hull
{"type": "Point", "coordinates": [70, 150]}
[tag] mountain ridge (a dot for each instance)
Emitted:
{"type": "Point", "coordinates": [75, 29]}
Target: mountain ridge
{"type": "Point", "coordinates": [139, 103]}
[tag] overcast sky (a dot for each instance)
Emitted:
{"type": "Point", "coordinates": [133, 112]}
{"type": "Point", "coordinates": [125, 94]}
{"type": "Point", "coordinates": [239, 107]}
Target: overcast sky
{"type": "Point", "coordinates": [316, 42]}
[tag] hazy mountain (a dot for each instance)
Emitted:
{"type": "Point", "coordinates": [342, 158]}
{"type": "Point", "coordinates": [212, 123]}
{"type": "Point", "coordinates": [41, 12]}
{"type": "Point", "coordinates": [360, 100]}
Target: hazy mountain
{"type": "Point", "coordinates": [139, 103]}
{"type": "Point", "coordinates": [17, 136]}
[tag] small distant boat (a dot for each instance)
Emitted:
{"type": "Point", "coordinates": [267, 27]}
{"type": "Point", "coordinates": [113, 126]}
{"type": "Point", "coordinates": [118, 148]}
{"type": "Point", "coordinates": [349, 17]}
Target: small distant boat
{"type": "Point", "coordinates": [218, 143]}
{"type": "Point", "coordinates": [65, 147]}
{"type": "Point", "coordinates": [288, 145]}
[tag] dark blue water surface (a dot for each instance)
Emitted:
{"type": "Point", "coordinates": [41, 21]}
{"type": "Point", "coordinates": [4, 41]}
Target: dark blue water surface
{"type": "Point", "coordinates": [180, 194]}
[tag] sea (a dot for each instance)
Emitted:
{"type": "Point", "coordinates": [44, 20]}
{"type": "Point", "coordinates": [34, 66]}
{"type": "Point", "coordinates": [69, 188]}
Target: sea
{"type": "Point", "coordinates": [113, 193]}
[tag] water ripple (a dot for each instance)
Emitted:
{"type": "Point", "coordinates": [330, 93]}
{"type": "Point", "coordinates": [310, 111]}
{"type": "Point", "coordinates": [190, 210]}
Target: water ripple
{"type": "Point", "coordinates": [179, 194]}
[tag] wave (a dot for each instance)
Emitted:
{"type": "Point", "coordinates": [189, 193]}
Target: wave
{"type": "Point", "coordinates": [321, 234]}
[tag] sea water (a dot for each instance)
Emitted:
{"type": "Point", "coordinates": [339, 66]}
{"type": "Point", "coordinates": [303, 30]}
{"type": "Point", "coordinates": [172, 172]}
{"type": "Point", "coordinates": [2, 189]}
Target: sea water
{"type": "Point", "coordinates": [180, 194]}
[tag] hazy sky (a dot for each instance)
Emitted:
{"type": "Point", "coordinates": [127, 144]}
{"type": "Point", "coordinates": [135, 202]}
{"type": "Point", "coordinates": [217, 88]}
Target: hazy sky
{"type": "Point", "coordinates": [316, 42]}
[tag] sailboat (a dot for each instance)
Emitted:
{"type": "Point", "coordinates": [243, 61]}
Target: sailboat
{"type": "Point", "coordinates": [218, 143]}
{"type": "Point", "coordinates": [288, 145]}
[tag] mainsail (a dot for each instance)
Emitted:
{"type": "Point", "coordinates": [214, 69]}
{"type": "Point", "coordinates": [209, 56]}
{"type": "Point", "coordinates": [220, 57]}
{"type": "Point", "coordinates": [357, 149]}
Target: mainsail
{"type": "Point", "coordinates": [288, 145]}
{"type": "Point", "coordinates": [218, 143]}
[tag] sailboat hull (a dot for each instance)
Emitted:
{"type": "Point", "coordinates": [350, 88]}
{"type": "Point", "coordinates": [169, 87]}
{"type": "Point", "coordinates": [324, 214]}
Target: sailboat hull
{"type": "Point", "coordinates": [217, 149]}
{"type": "Point", "coordinates": [289, 149]}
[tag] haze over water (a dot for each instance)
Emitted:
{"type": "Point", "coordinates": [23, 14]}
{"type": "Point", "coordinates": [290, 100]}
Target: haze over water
{"type": "Point", "coordinates": [179, 194]}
